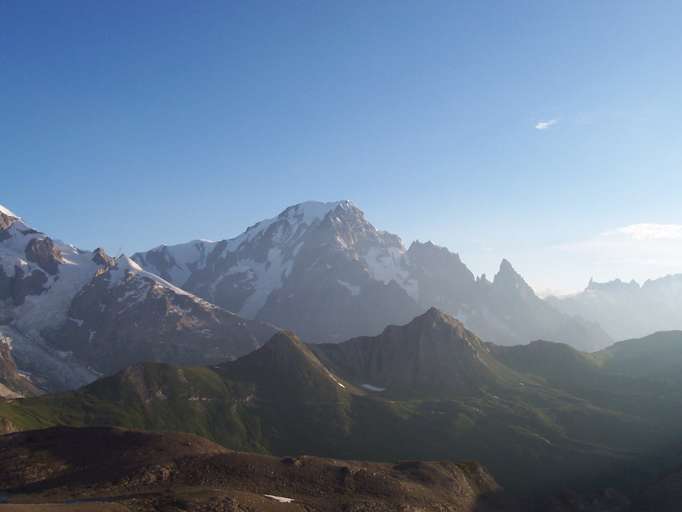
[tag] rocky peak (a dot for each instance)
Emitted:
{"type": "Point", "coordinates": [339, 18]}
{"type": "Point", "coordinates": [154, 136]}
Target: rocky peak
{"type": "Point", "coordinates": [100, 257]}
{"type": "Point", "coordinates": [509, 279]}
{"type": "Point", "coordinates": [615, 285]}
{"type": "Point", "coordinates": [288, 368]}
{"type": "Point", "coordinates": [7, 212]}
{"type": "Point", "coordinates": [122, 266]}
{"type": "Point", "coordinates": [434, 316]}
{"type": "Point", "coordinates": [310, 211]}
{"type": "Point", "coordinates": [432, 354]}
{"type": "Point", "coordinates": [45, 254]}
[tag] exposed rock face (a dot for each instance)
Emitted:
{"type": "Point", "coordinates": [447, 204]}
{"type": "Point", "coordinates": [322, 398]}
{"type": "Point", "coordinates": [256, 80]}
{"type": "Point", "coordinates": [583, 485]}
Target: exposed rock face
{"type": "Point", "coordinates": [322, 270]}
{"type": "Point", "coordinates": [6, 426]}
{"type": "Point", "coordinates": [21, 285]}
{"type": "Point", "coordinates": [100, 257]}
{"type": "Point", "coordinates": [12, 383]}
{"type": "Point", "coordinates": [43, 252]}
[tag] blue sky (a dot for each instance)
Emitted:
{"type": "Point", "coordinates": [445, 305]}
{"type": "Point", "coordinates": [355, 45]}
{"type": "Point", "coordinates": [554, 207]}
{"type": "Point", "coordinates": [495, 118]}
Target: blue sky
{"type": "Point", "coordinates": [130, 124]}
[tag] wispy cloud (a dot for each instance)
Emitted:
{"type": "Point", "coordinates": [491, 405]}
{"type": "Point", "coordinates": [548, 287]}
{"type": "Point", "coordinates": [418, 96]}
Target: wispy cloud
{"type": "Point", "coordinates": [637, 250]}
{"type": "Point", "coordinates": [544, 125]}
{"type": "Point", "coordinates": [646, 231]}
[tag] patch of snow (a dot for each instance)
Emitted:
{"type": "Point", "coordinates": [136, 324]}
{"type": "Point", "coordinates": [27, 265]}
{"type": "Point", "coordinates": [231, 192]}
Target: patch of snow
{"type": "Point", "coordinates": [291, 221]}
{"type": "Point", "coordinates": [338, 382]}
{"type": "Point", "coordinates": [77, 321]}
{"type": "Point", "coordinates": [354, 290]}
{"type": "Point", "coordinates": [369, 387]}
{"type": "Point", "coordinates": [265, 277]}
{"type": "Point", "coordinates": [8, 212]}
{"type": "Point", "coordinates": [280, 499]}
{"type": "Point", "coordinates": [125, 266]}
{"type": "Point", "coordinates": [386, 264]}
{"type": "Point", "coordinates": [181, 259]}
{"type": "Point", "coordinates": [50, 308]}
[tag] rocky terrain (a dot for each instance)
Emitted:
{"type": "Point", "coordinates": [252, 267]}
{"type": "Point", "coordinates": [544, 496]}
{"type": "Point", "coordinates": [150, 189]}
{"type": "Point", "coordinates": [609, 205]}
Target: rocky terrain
{"type": "Point", "coordinates": [129, 470]}
{"type": "Point", "coordinates": [325, 272]}
{"type": "Point", "coordinates": [68, 316]}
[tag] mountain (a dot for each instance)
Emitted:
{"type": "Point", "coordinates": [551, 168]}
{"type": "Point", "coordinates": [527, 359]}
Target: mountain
{"type": "Point", "coordinates": [38, 279]}
{"type": "Point", "coordinates": [655, 357]}
{"type": "Point", "coordinates": [626, 309]}
{"type": "Point", "coordinates": [125, 315]}
{"type": "Point", "coordinates": [355, 400]}
{"type": "Point", "coordinates": [319, 269]}
{"type": "Point", "coordinates": [104, 469]}
{"type": "Point", "coordinates": [325, 272]}
{"type": "Point", "coordinates": [433, 355]}
{"type": "Point", "coordinates": [68, 316]}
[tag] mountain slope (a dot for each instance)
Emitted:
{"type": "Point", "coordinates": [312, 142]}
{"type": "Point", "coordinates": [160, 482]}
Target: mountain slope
{"type": "Point", "coordinates": [325, 272]}
{"type": "Point", "coordinates": [656, 357]}
{"type": "Point", "coordinates": [151, 471]}
{"type": "Point", "coordinates": [289, 398]}
{"type": "Point", "coordinates": [69, 315]}
{"type": "Point", "coordinates": [125, 315]}
{"type": "Point", "coordinates": [433, 355]}
{"type": "Point", "coordinates": [12, 383]}
{"type": "Point", "coordinates": [38, 279]}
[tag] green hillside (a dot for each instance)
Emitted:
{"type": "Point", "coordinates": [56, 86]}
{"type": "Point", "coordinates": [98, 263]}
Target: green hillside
{"type": "Point", "coordinates": [514, 410]}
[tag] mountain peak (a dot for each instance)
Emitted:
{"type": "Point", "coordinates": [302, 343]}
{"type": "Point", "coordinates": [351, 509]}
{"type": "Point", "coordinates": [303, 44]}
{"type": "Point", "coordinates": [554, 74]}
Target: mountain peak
{"type": "Point", "coordinates": [435, 315]}
{"type": "Point", "coordinates": [506, 267]}
{"type": "Point", "coordinates": [124, 263]}
{"type": "Point", "coordinates": [310, 211]}
{"type": "Point", "coordinates": [122, 267]}
{"type": "Point", "coordinates": [433, 354]}
{"type": "Point", "coordinates": [508, 277]}
{"type": "Point", "coordinates": [614, 285]}
{"type": "Point", "coordinates": [9, 213]}
{"type": "Point", "coordinates": [286, 367]}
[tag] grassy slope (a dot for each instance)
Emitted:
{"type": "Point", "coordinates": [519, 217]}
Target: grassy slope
{"type": "Point", "coordinates": [285, 402]}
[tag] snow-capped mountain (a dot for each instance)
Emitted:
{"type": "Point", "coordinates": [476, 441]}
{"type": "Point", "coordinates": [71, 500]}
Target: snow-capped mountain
{"type": "Point", "coordinates": [69, 315]}
{"type": "Point", "coordinates": [38, 279]}
{"type": "Point", "coordinates": [628, 309]}
{"type": "Point", "coordinates": [125, 315]}
{"type": "Point", "coordinates": [324, 271]}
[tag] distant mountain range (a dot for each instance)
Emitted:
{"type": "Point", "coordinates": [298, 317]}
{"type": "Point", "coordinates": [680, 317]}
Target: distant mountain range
{"type": "Point", "coordinates": [628, 309]}
{"type": "Point", "coordinates": [325, 272]}
{"type": "Point", "coordinates": [429, 389]}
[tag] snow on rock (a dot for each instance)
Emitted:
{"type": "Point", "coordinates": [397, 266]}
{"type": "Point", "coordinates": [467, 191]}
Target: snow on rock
{"type": "Point", "coordinates": [387, 264]}
{"type": "Point", "coordinates": [125, 268]}
{"type": "Point", "coordinates": [176, 262]}
{"type": "Point", "coordinates": [280, 499]}
{"type": "Point", "coordinates": [8, 212]}
{"type": "Point", "coordinates": [376, 389]}
{"type": "Point", "coordinates": [354, 290]}
{"type": "Point", "coordinates": [264, 277]}
{"type": "Point", "coordinates": [290, 223]}
{"type": "Point", "coordinates": [49, 309]}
